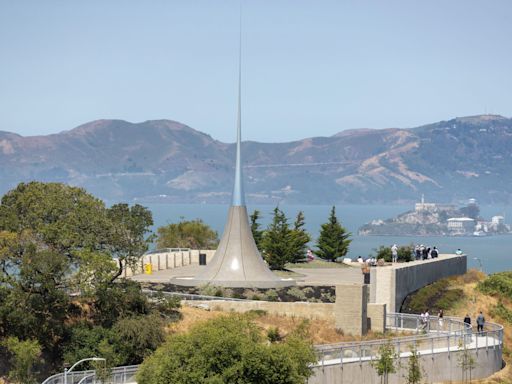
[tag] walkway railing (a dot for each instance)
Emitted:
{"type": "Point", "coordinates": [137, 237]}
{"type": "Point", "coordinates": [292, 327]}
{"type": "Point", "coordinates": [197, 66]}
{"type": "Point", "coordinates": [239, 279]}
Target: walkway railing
{"type": "Point", "coordinates": [119, 375]}
{"type": "Point", "coordinates": [434, 336]}
{"type": "Point", "coordinates": [449, 335]}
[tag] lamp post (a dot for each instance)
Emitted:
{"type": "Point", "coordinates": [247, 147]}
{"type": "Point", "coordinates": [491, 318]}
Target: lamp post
{"type": "Point", "coordinates": [479, 263]}
{"type": "Point", "coordinates": [66, 371]}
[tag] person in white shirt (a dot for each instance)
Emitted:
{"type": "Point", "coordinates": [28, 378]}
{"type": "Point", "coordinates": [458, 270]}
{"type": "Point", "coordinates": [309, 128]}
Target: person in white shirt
{"type": "Point", "coordinates": [394, 253]}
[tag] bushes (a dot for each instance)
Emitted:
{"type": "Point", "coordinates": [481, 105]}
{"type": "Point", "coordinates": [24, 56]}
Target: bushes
{"type": "Point", "coordinates": [228, 349]}
{"type": "Point", "coordinates": [435, 296]}
{"type": "Point", "coordinates": [497, 284]}
{"type": "Point", "coordinates": [405, 253]}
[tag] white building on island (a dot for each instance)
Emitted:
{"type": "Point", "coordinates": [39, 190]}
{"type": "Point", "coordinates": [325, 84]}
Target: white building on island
{"type": "Point", "coordinates": [461, 225]}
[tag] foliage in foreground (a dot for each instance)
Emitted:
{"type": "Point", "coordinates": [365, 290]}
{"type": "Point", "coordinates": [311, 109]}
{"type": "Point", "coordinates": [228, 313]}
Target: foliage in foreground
{"type": "Point", "coordinates": [61, 257]}
{"type": "Point", "coordinates": [229, 349]}
{"type": "Point", "coordinates": [24, 356]}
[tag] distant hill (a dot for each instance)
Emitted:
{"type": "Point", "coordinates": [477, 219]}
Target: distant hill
{"type": "Point", "coordinates": [164, 160]}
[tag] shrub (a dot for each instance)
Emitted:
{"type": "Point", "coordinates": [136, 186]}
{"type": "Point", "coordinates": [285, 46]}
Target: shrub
{"type": "Point", "coordinates": [271, 295]}
{"type": "Point", "coordinates": [228, 349]}
{"type": "Point", "coordinates": [273, 335]}
{"type": "Point", "coordinates": [497, 284]}
{"type": "Point", "coordinates": [297, 293]}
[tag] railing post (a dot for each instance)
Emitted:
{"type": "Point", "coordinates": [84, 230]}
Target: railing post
{"type": "Point", "coordinates": [448, 338]}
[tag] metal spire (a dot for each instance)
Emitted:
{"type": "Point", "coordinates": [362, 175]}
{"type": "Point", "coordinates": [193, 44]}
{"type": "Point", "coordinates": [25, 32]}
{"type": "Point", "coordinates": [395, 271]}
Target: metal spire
{"type": "Point", "coordinates": [238, 188]}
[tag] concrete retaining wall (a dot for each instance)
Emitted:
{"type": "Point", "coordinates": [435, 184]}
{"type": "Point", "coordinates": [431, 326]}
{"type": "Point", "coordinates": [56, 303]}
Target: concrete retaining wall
{"type": "Point", "coordinates": [392, 284]}
{"type": "Point", "coordinates": [168, 260]}
{"type": "Point", "coordinates": [441, 367]}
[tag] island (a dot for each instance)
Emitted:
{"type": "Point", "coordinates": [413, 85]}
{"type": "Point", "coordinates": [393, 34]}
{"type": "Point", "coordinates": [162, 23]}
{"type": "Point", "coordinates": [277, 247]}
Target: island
{"type": "Point", "coordinates": [433, 219]}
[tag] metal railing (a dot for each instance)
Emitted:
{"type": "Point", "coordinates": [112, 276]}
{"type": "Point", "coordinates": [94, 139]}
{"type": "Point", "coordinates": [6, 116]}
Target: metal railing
{"type": "Point", "coordinates": [118, 375]}
{"type": "Point", "coordinates": [430, 337]}
{"type": "Point", "coordinates": [434, 336]}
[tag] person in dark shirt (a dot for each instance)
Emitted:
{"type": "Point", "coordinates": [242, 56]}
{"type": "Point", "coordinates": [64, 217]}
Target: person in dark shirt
{"type": "Point", "coordinates": [467, 319]}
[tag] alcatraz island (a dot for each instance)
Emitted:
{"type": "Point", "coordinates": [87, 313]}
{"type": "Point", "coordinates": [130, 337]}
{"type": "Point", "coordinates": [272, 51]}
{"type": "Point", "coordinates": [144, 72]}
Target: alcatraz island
{"type": "Point", "coordinates": [433, 219]}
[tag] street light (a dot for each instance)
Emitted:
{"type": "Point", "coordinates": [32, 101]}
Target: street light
{"type": "Point", "coordinates": [66, 371]}
{"type": "Point", "coordinates": [479, 263]}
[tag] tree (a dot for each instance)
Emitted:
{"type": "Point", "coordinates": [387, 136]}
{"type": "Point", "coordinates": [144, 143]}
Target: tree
{"type": "Point", "coordinates": [334, 240]}
{"type": "Point", "coordinates": [466, 362]}
{"type": "Point", "coordinates": [276, 242]}
{"type": "Point", "coordinates": [414, 373]}
{"type": "Point", "coordinates": [257, 234]}
{"type": "Point", "coordinates": [299, 240]}
{"type": "Point", "coordinates": [129, 237]}
{"type": "Point", "coordinates": [25, 355]}
{"type": "Point", "coordinates": [193, 234]}
{"type": "Point", "coordinates": [385, 363]}
{"type": "Point", "coordinates": [229, 349]}
{"type": "Point", "coordinates": [57, 245]}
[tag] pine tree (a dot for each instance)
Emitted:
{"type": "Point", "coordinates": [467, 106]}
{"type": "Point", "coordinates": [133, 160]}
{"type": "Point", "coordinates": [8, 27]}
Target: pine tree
{"type": "Point", "coordinates": [299, 240]}
{"type": "Point", "coordinates": [257, 233]}
{"type": "Point", "coordinates": [334, 239]}
{"type": "Point", "coordinates": [275, 243]}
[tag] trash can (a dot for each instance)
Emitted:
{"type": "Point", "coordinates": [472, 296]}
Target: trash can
{"type": "Point", "coordinates": [202, 259]}
{"type": "Point", "coordinates": [148, 269]}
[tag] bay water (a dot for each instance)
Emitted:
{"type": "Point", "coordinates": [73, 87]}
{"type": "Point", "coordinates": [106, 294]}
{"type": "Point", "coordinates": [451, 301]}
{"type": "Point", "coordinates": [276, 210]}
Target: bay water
{"type": "Point", "coordinates": [492, 253]}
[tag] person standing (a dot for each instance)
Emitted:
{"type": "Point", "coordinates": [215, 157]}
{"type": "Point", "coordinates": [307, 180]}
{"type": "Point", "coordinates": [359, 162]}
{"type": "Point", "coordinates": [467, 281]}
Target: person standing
{"type": "Point", "coordinates": [427, 320]}
{"type": "Point", "coordinates": [394, 253]}
{"type": "Point", "coordinates": [441, 319]}
{"type": "Point", "coordinates": [417, 251]}
{"type": "Point", "coordinates": [434, 252]}
{"type": "Point", "coordinates": [424, 252]}
{"type": "Point", "coordinates": [480, 321]}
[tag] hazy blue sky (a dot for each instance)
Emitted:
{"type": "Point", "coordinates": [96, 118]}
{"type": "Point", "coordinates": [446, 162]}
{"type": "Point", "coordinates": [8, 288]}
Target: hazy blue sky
{"type": "Point", "coordinates": [310, 67]}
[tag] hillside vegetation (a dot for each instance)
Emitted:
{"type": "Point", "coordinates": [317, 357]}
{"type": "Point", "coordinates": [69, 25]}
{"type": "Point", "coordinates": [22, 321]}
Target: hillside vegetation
{"type": "Point", "coordinates": [470, 294]}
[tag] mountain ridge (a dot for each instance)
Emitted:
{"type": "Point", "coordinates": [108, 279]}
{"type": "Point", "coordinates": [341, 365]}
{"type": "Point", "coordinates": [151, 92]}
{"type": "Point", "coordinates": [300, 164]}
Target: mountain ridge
{"type": "Point", "coordinates": [165, 160]}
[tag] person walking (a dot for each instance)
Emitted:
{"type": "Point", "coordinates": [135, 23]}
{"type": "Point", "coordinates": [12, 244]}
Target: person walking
{"type": "Point", "coordinates": [480, 321]}
{"type": "Point", "coordinates": [394, 253]}
{"type": "Point", "coordinates": [427, 320]}
{"type": "Point", "coordinates": [440, 317]}
{"type": "Point", "coordinates": [467, 320]}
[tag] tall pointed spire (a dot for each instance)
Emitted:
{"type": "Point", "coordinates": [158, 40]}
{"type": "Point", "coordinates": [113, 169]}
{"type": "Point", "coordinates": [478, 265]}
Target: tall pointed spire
{"type": "Point", "coordinates": [238, 198]}
{"type": "Point", "coordinates": [237, 261]}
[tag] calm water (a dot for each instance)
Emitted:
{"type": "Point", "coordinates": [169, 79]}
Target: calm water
{"type": "Point", "coordinates": [495, 252]}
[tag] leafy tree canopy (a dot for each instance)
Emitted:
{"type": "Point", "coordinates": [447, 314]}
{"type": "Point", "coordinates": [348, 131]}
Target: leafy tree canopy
{"type": "Point", "coordinates": [193, 234]}
{"type": "Point", "coordinates": [227, 350]}
{"type": "Point", "coordinates": [276, 243]}
{"type": "Point", "coordinates": [334, 240]}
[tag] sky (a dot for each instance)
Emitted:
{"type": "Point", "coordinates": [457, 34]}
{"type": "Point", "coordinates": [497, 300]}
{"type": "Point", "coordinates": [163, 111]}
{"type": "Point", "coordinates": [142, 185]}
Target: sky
{"type": "Point", "coordinates": [310, 68]}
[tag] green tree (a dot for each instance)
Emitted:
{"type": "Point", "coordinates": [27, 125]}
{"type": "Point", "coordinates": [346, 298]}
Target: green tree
{"type": "Point", "coordinates": [137, 337]}
{"type": "Point", "coordinates": [129, 235]}
{"type": "Point", "coordinates": [257, 233]}
{"type": "Point", "coordinates": [57, 240]}
{"type": "Point", "coordinates": [25, 356]}
{"type": "Point", "coordinates": [299, 240]}
{"type": "Point", "coordinates": [228, 350]}
{"type": "Point", "coordinates": [334, 240]}
{"type": "Point", "coordinates": [414, 372]}
{"type": "Point", "coordinates": [276, 242]}
{"type": "Point", "coordinates": [383, 253]}
{"type": "Point", "coordinates": [193, 234]}
{"type": "Point", "coordinates": [385, 363]}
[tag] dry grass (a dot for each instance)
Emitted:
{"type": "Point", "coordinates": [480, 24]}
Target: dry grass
{"type": "Point", "coordinates": [321, 331]}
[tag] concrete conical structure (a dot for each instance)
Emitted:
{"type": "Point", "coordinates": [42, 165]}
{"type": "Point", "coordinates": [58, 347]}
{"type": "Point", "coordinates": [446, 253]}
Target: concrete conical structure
{"type": "Point", "coordinates": [237, 261]}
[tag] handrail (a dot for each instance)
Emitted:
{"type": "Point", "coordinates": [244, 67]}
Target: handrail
{"type": "Point", "coordinates": [75, 376]}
